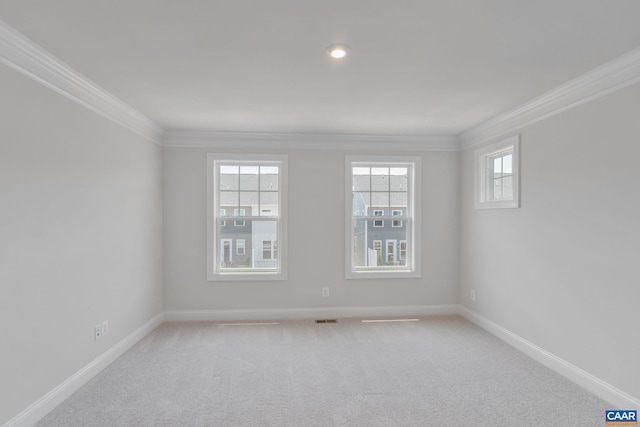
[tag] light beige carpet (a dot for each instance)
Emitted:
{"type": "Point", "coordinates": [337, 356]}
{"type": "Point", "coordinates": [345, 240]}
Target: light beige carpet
{"type": "Point", "coordinates": [439, 371]}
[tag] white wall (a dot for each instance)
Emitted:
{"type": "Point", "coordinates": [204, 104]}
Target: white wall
{"type": "Point", "coordinates": [316, 232]}
{"type": "Point", "coordinates": [80, 237]}
{"type": "Point", "coordinates": [563, 270]}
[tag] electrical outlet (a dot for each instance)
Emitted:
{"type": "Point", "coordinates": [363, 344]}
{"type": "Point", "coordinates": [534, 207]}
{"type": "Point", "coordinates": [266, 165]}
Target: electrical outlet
{"type": "Point", "coordinates": [325, 292]}
{"type": "Point", "coordinates": [105, 327]}
{"type": "Point", "coordinates": [472, 295]}
{"type": "Point", "coordinates": [97, 331]}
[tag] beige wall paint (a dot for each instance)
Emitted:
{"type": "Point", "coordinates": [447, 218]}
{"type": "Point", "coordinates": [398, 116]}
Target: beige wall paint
{"type": "Point", "coordinates": [562, 271]}
{"type": "Point", "coordinates": [316, 239]}
{"type": "Point", "coordinates": [80, 237]}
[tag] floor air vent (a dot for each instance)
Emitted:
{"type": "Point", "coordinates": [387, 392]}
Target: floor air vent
{"type": "Point", "coordinates": [327, 321]}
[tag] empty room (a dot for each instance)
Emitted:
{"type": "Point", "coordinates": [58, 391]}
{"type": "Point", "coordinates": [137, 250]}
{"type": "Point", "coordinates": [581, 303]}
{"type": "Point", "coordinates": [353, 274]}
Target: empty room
{"type": "Point", "coordinates": [319, 213]}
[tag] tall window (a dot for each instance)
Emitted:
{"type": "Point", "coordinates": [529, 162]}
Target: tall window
{"type": "Point", "coordinates": [382, 207]}
{"type": "Point", "coordinates": [254, 189]}
{"type": "Point", "coordinates": [497, 174]}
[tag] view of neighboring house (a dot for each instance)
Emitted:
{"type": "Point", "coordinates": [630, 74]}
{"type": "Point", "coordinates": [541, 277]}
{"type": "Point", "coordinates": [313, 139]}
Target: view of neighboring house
{"type": "Point", "coordinates": [380, 242]}
{"type": "Point", "coordinates": [248, 243]}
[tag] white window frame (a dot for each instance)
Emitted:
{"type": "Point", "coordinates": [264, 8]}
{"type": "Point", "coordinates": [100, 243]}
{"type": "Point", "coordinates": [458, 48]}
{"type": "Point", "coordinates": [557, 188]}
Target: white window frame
{"type": "Point", "coordinates": [396, 222]}
{"type": "Point", "coordinates": [239, 212]}
{"type": "Point", "coordinates": [378, 222]}
{"type": "Point", "coordinates": [240, 244]}
{"type": "Point", "coordinates": [484, 174]}
{"type": "Point", "coordinates": [378, 249]}
{"type": "Point", "coordinates": [402, 257]}
{"type": "Point", "coordinates": [412, 218]}
{"type": "Point", "coordinates": [391, 246]}
{"type": "Point", "coordinates": [272, 247]}
{"type": "Point", "coordinates": [230, 242]}
{"type": "Point", "coordinates": [223, 212]}
{"type": "Point", "coordinates": [214, 273]}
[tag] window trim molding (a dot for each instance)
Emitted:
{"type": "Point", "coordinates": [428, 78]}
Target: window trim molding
{"type": "Point", "coordinates": [414, 213]}
{"type": "Point", "coordinates": [212, 251]}
{"type": "Point", "coordinates": [480, 160]}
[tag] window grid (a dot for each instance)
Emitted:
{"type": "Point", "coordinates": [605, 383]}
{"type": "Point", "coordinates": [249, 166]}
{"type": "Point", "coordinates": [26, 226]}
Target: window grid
{"type": "Point", "coordinates": [253, 187]}
{"type": "Point", "coordinates": [381, 190]}
{"type": "Point", "coordinates": [499, 175]}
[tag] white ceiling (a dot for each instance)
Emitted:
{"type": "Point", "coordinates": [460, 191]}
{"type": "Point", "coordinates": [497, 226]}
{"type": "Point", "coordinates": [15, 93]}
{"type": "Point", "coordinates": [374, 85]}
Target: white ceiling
{"type": "Point", "coordinates": [417, 67]}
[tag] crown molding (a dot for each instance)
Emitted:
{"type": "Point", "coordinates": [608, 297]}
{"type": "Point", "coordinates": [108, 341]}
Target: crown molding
{"type": "Point", "coordinates": [308, 141]}
{"type": "Point", "coordinates": [29, 59]}
{"type": "Point", "coordinates": [610, 77]}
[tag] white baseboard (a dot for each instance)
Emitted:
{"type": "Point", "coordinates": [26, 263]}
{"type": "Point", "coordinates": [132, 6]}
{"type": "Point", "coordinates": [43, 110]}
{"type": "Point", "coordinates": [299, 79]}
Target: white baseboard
{"type": "Point", "coordinates": [52, 399]}
{"type": "Point", "coordinates": [307, 313]}
{"type": "Point", "coordinates": [49, 401]}
{"type": "Point", "coordinates": [584, 379]}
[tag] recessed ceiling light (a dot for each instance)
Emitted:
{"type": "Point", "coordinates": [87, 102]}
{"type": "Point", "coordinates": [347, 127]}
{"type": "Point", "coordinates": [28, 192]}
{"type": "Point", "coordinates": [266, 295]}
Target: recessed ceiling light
{"type": "Point", "coordinates": [338, 50]}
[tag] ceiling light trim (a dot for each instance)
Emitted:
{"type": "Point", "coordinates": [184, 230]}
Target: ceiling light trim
{"type": "Point", "coordinates": [31, 60]}
{"type": "Point", "coordinates": [338, 51]}
{"type": "Point", "coordinates": [608, 78]}
{"type": "Point", "coordinates": [308, 141]}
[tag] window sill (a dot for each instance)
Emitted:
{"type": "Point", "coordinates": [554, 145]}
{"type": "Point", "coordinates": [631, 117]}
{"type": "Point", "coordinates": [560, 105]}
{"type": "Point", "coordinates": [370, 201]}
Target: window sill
{"type": "Point", "coordinates": [506, 204]}
{"type": "Point", "coordinates": [392, 274]}
{"type": "Point", "coordinates": [246, 277]}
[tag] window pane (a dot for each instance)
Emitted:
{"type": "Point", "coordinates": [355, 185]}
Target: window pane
{"type": "Point", "coordinates": [379, 179]}
{"type": "Point", "coordinates": [242, 247]}
{"type": "Point", "coordinates": [227, 169]}
{"type": "Point", "coordinates": [398, 171]}
{"type": "Point", "coordinates": [269, 204]}
{"type": "Point", "coordinates": [497, 166]}
{"type": "Point", "coordinates": [399, 199]}
{"type": "Point", "coordinates": [361, 171]}
{"type": "Point", "coordinates": [507, 164]}
{"type": "Point", "coordinates": [249, 199]}
{"type": "Point", "coordinates": [229, 200]}
{"type": "Point", "coordinates": [361, 182]}
{"type": "Point", "coordinates": [249, 178]}
{"type": "Point", "coordinates": [230, 179]}
{"type": "Point", "coordinates": [399, 182]}
{"type": "Point", "coordinates": [361, 201]}
{"type": "Point", "coordinates": [269, 178]}
{"type": "Point", "coordinates": [497, 188]}
{"type": "Point", "coordinates": [377, 247]}
{"type": "Point", "coordinates": [380, 199]}
{"type": "Point", "coordinates": [507, 187]}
